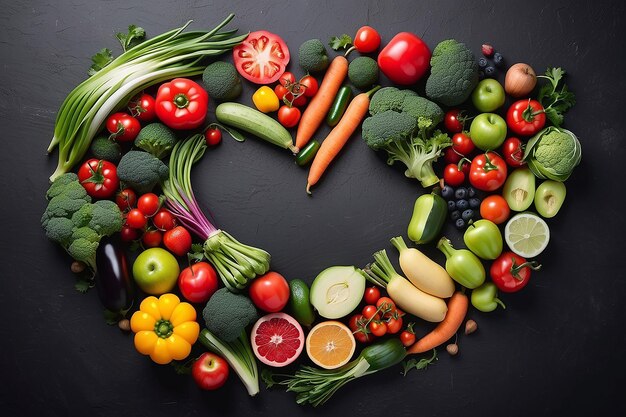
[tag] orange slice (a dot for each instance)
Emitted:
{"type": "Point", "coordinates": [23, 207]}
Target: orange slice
{"type": "Point", "coordinates": [330, 344]}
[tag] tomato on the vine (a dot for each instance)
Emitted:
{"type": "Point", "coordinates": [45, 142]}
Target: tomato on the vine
{"type": "Point", "coordinates": [370, 311]}
{"type": "Point", "coordinates": [371, 296]}
{"type": "Point", "coordinates": [390, 305]}
{"type": "Point", "coordinates": [126, 199]}
{"type": "Point", "coordinates": [213, 136]}
{"type": "Point", "coordinates": [310, 85]}
{"type": "Point", "coordinates": [149, 204]}
{"type": "Point", "coordinates": [136, 219]}
{"type": "Point", "coordinates": [123, 127]}
{"type": "Point", "coordinates": [287, 79]}
{"type": "Point", "coordinates": [152, 238]}
{"type": "Point", "coordinates": [451, 156]}
{"type": "Point", "coordinates": [299, 101]}
{"type": "Point", "coordinates": [355, 322]}
{"type": "Point", "coordinates": [99, 178]}
{"type": "Point", "coordinates": [394, 325]}
{"type": "Point", "coordinates": [454, 120]}
{"type": "Point", "coordinates": [488, 172]}
{"type": "Point", "coordinates": [453, 176]}
{"type": "Point", "coordinates": [378, 328]}
{"type": "Point", "coordinates": [142, 107]}
{"type": "Point", "coordinates": [164, 220]}
{"type": "Point", "coordinates": [407, 337]}
{"type": "Point", "coordinates": [366, 40]}
{"type": "Point", "coordinates": [362, 336]}
{"type": "Point", "coordinates": [128, 234]}
{"type": "Point", "coordinates": [462, 143]}
{"type": "Point", "coordinates": [177, 240]}
{"type": "Point", "coordinates": [288, 116]}
{"type": "Point", "coordinates": [513, 151]}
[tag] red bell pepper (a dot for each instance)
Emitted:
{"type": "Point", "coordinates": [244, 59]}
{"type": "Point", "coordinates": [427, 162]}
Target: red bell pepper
{"type": "Point", "coordinates": [182, 104]}
{"type": "Point", "coordinates": [405, 59]}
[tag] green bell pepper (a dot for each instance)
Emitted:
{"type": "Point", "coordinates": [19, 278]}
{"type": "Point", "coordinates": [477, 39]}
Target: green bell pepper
{"type": "Point", "coordinates": [462, 265]}
{"type": "Point", "coordinates": [485, 298]}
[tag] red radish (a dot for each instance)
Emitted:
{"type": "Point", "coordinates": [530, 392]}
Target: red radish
{"type": "Point", "coordinates": [277, 339]}
{"type": "Point", "coordinates": [487, 50]}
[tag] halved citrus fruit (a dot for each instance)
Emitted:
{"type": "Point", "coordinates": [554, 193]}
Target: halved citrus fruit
{"type": "Point", "coordinates": [277, 339]}
{"type": "Point", "coordinates": [330, 344]}
{"type": "Point", "coordinates": [527, 234]}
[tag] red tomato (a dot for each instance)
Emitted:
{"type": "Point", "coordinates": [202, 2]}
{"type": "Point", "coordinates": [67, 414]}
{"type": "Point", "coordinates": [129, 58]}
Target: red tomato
{"type": "Point", "coordinates": [366, 40]}
{"type": "Point", "coordinates": [287, 79]}
{"type": "Point", "coordinates": [462, 144]}
{"type": "Point", "coordinates": [123, 127]}
{"type": "Point", "coordinates": [99, 178]}
{"type": "Point", "coordinates": [128, 234]}
{"type": "Point", "coordinates": [370, 311]}
{"type": "Point", "coordinates": [281, 91]}
{"type": "Point", "coordinates": [510, 272]}
{"type": "Point", "coordinates": [310, 85]}
{"type": "Point", "coordinates": [198, 282]}
{"type": "Point", "coordinates": [136, 219]}
{"type": "Point", "coordinates": [262, 57]}
{"type": "Point", "coordinates": [390, 307]}
{"type": "Point", "coordinates": [405, 59]}
{"type": "Point", "coordinates": [487, 172]}
{"type": "Point", "coordinates": [451, 157]}
{"type": "Point", "coordinates": [407, 337]}
{"type": "Point", "coordinates": [394, 325]}
{"type": "Point", "coordinates": [126, 199]}
{"type": "Point", "coordinates": [355, 322]}
{"type": "Point", "coordinates": [177, 240]}
{"type": "Point", "coordinates": [164, 220]}
{"type": "Point", "coordinates": [513, 151]}
{"type": "Point", "coordinates": [210, 371]}
{"type": "Point", "coordinates": [526, 117]}
{"type": "Point", "coordinates": [182, 104]}
{"type": "Point", "coordinates": [149, 204]}
{"type": "Point", "coordinates": [213, 136]}
{"type": "Point", "coordinates": [269, 292]}
{"type": "Point", "coordinates": [454, 120]}
{"type": "Point", "coordinates": [288, 116]}
{"type": "Point", "coordinates": [299, 101]}
{"type": "Point", "coordinates": [152, 238]}
{"type": "Point", "coordinates": [372, 294]}
{"type": "Point", "coordinates": [143, 107]}
{"type": "Point", "coordinates": [363, 337]}
{"type": "Point", "coordinates": [378, 328]}
{"type": "Point", "coordinates": [495, 208]}
{"type": "Point", "coordinates": [453, 176]}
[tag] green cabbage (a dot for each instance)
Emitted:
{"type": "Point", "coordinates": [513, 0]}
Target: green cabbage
{"type": "Point", "coordinates": [553, 153]}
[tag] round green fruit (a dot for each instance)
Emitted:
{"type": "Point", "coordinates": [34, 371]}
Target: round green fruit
{"type": "Point", "coordinates": [156, 271]}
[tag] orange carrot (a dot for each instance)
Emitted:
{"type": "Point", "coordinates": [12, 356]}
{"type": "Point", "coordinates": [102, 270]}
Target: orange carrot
{"type": "Point", "coordinates": [317, 109]}
{"type": "Point", "coordinates": [457, 309]}
{"type": "Point", "coordinates": [338, 137]}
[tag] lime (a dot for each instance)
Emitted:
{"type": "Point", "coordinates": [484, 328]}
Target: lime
{"type": "Point", "coordinates": [527, 234]}
{"type": "Point", "coordinates": [299, 302]}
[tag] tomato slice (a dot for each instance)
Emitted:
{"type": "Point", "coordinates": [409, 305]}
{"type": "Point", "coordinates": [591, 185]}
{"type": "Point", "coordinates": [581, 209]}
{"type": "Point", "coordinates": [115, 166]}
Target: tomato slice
{"type": "Point", "coordinates": [262, 57]}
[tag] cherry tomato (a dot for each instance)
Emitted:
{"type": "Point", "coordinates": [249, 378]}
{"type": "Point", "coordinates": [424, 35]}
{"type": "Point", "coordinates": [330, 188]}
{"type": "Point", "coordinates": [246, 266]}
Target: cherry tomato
{"type": "Point", "coordinates": [143, 107]}
{"type": "Point", "coordinates": [453, 176]}
{"type": "Point", "coordinates": [262, 57]}
{"type": "Point", "coordinates": [405, 59]}
{"type": "Point", "coordinates": [126, 199]}
{"type": "Point", "coordinates": [451, 157]}
{"type": "Point", "coordinates": [407, 338]}
{"type": "Point", "coordinates": [310, 85]}
{"type": "Point", "coordinates": [513, 151]}
{"type": "Point", "coordinates": [152, 238]}
{"type": "Point", "coordinates": [363, 337]}
{"type": "Point", "coordinates": [149, 204]}
{"type": "Point", "coordinates": [526, 117]}
{"type": "Point", "coordinates": [288, 116]}
{"type": "Point", "coordinates": [136, 219]}
{"type": "Point", "coordinates": [366, 40]}
{"type": "Point", "coordinates": [123, 127]}
{"type": "Point", "coordinates": [370, 311]}
{"type": "Point", "coordinates": [177, 240]}
{"type": "Point", "coordinates": [164, 220]}
{"type": "Point", "coordinates": [394, 325]}
{"type": "Point", "coordinates": [372, 294]}
{"type": "Point", "coordinates": [299, 101]}
{"type": "Point", "coordinates": [99, 178]}
{"type": "Point", "coordinates": [198, 282]}
{"type": "Point", "coordinates": [510, 272]}
{"type": "Point", "coordinates": [355, 322]}
{"type": "Point", "coordinates": [462, 144]}
{"type": "Point", "coordinates": [390, 307]}
{"type": "Point", "coordinates": [488, 172]}
{"type": "Point", "coordinates": [454, 120]}
{"type": "Point", "coordinates": [213, 136]}
{"type": "Point", "coordinates": [287, 79]}
{"type": "Point", "coordinates": [378, 328]}
{"type": "Point", "coordinates": [269, 292]}
{"type": "Point", "coordinates": [281, 91]}
{"type": "Point", "coordinates": [210, 371]}
{"type": "Point", "coordinates": [495, 208]}
{"type": "Point", "coordinates": [128, 234]}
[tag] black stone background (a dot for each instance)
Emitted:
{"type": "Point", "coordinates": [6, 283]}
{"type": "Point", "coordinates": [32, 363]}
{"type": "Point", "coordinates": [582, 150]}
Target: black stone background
{"type": "Point", "coordinates": [558, 347]}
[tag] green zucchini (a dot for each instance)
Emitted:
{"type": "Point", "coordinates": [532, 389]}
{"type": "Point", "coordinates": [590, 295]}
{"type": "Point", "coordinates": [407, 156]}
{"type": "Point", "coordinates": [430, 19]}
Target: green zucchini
{"type": "Point", "coordinates": [253, 121]}
{"type": "Point", "coordinates": [343, 97]}
{"type": "Point", "coordinates": [429, 215]}
{"type": "Point", "coordinates": [384, 354]}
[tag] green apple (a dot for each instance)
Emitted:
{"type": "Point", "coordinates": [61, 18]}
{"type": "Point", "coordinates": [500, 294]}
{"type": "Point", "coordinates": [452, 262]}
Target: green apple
{"type": "Point", "coordinates": [488, 95]}
{"type": "Point", "coordinates": [156, 271]}
{"type": "Point", "coordinates": [488, 131]}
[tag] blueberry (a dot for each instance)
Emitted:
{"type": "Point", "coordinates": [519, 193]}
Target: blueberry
{"type": "Point", "coordinates": [455, 215]}
{"type": "Point", "coordinates": [447, 192]}
{"type": "Point", "coordinates": [490, 72]}
{"type": "Point", "coordinates": [481, 74]}
{"type": "Point", "coordinates": [460, 224]}
{"type": "Point", "coordinates": [471, 192]}
{"type": "Point", "coordinates": [474, 202]}
{"type": "Point", "coordinates": [460, 193]}
{"type": "Point", "coordinates": [482, 62]}
{"type": "Point", "coordinates": [498, 59]}
{"type": "Point", "coordinates": [467, 215]}
{"type": "Point", "coordinates": [462, 204]}
{"type": "Point", "coordinates": [451, 205]}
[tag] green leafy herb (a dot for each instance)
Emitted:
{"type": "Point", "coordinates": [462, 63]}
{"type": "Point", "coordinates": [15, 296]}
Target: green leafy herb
{"type": "Point", "coordinates": [183, 368]}
{"type": "Point", "coordinates": [135, 36]}
{"type": "Point", "coordinates": [554, 100]}
{"type": "Point", "coordinates": [100, 60]}
{"type": "Point", "coordinates": [340, 42]}
{"type": "Point", "coordinates": [268, 378]}
{"type": "Point", "coordinates": [196, 254]}
{"type": "Point", "coordinates": [111, 317]}
{"type": "Point", "coordinates": [82, 285]}
{"type": "Point", "coordinates": [418, 364]}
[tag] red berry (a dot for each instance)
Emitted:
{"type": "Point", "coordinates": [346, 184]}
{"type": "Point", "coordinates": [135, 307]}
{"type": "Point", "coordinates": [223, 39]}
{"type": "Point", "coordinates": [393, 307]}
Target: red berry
{"type": "Point", "coordinates": [487, 50]}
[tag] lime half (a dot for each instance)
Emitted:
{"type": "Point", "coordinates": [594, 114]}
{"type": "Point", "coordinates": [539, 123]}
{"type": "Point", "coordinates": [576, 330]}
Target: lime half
{"type": "Point", "coordinates": [527, 234]}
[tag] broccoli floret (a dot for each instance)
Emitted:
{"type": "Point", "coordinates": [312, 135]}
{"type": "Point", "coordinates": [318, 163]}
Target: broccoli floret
{"type": "Point", "coordinates": [83, 216]}
{"type": "Point", "coordinates": [61, 206]}
{"type": "Point", "coordinates": [453, 75]}
{"type": "Point", "coordinates": [104, 148]}
{"type": "Point", "coordinates": [67, 183]}
{"type": "Point", "coordinates": [388, 98]}
{"type": "Point", "coordinates": [388, 126]}
{"type": "Point", "coordinates": [417, 107]}
{"type": "Point", "coordinates": [141, 171]}
{"type": "Point", "coordinates": [313, 56]}
{"type": "Point", "coordinates": [227, 314]}
{"type": "Point", "coordinates": [106, 218]}
{"type": "Point", "coordinates": [59, 229]}
{"type": "Point", "coordinates": [363, 72]}
{"type": "Point", "coordinates": [84, 250]}
{"type": "Point", "coordinates": [157, 139]}
{"type": "Point", "coordinates": [86, 233]}
{"type": "Point", "coordinates": [222, 81]}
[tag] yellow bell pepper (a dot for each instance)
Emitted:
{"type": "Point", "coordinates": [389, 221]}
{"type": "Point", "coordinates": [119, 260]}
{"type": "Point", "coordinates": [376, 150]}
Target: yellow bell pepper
{"type": "Point", "coordinates": [165, 328]}
{"type": "Point", "coordinates": [265, 100]}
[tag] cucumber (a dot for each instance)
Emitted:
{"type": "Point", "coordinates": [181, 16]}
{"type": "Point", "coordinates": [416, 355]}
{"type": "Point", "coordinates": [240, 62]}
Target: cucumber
{"type": "Point", "coordinates": [384, 354]}
{"type": "Point", "coordinates": [253, 121]}
{"type": "Point", "coordinates": [429, 215]}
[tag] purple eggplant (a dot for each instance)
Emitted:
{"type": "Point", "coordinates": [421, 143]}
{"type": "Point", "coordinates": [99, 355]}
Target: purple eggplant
{"type": "Point", "coordinates": [114, 283]}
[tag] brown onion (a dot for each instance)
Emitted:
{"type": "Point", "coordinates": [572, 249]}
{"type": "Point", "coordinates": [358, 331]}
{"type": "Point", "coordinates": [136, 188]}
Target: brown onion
{"type": "Point", "coordinates": [520, 80]}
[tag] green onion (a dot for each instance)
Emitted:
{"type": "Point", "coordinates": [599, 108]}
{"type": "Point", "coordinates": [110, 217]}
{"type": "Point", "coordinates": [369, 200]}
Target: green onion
{"type": "Point", "coordinates": [169, 55]}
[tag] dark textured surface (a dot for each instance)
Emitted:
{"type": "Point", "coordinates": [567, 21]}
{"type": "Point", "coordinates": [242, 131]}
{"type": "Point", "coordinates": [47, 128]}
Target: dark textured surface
{"type": "Point", "coordinates": [558, 348]}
